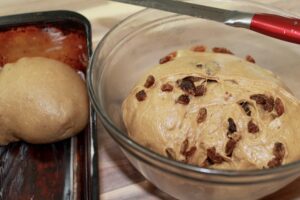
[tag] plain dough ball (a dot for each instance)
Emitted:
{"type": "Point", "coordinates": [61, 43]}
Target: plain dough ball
{"type": "Point", "coordinates": [41, 101]}
{"type": "Point", "coordinates": [198, 132]}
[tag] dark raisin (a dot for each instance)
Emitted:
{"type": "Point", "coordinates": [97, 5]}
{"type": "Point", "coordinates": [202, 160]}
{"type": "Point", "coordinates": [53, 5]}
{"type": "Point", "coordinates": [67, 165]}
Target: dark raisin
{"type": "Point", "coordinates": [250, 59]}
{"type": "Point", "coordinates": [274, 163]}
{"type": "Point", "coordinates": [269, 105]}
{"type": "Point", "coordinates": [166, 87]}
{"type": "Point", "coordinates": [211, 81]}
{"type": "Point", "coordinates": [184, 146]}
{"type": "Point", "coordinates": [279, 108]}
{"type": "Point", "coordinates": [221, 50]}
{"type": "Point", "coordinates": [164, 59]}
{"type": "Point", "coordinates": [279, 150]}
{"type": "Point", "coordinates": [168, 58]}
{"type": "Point", "coordinates": [149, 82]}
{"type": "Point", "coordinates": [184, 150]}
{"type": "Point", "coordinates": [192, 78]}
{"type": "Point", "coordinates": [200, 90]}
{"type": "Point", "coordinates": [170, 153]}
{"type": "Point", "coordinates": [230, 145]}
{"type": "Point", "coordinates": [199, 48]}
{"type": "Point", "coordinates": [266, 102]}
{"type": "Point", "coordinates": [183, 99]}
{"type": "Point", "coordinates": [214, 157]}
{"type": "Point", "coordinates": [199, 65]}
{"type": "Point", "coordinates": [202, 114]}
{"type": "Point", "coordinates": [259, 98]}
{"type": "Point", "coordinates": [190, 152]}
{"type": "Point", "coordinates": [187, 86]}
{"type": "Point", "coordinates": [246, 107]}
{"type": "Point", "coordinates": [252, 127]}
{"type": "Point", "coordinates": [141, 95]}
{"type": "Point", "coordinates": [231, 126]}
{"type": "Point", "coordinates": [206, 163]}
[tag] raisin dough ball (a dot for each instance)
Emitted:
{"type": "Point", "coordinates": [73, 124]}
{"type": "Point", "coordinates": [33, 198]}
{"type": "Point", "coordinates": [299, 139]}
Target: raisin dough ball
{"type": "Point", "coordinates": [214, 110]}
{"type": "Point", "coordinates": [41, 101]}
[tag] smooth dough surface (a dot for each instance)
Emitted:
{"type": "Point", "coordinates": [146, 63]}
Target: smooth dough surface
{"type": "Point", "coordinates": [41, 101]}
{"type": "Point", "coordinates": [163, 124]}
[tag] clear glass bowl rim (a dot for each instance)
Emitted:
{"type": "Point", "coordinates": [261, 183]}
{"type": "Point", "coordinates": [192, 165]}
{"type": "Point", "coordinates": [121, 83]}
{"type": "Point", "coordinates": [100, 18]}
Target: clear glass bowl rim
{"type": "Point", "coordinates": [122, 136]}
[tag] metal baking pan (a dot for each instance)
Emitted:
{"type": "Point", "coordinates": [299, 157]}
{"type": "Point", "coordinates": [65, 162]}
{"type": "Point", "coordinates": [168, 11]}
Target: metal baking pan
{"type": "Point", "coordinates": [62, 170]}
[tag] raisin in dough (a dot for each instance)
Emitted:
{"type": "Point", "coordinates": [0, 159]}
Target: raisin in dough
{"type": "Point", "coordinates": [214, 110]}
{"type": "Point", "coordinates": [41, 101]}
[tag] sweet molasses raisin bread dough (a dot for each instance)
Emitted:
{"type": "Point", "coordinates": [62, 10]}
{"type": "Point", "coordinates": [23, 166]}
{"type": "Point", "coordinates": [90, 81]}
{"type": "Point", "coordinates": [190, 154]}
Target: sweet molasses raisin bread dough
{"type": "Point", "coordinates": [214, 110]}
{"type": "Point", "coordinates": [41, 101]}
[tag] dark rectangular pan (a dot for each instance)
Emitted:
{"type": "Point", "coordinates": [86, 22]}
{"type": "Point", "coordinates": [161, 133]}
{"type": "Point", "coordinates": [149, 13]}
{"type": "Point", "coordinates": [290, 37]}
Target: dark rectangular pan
{"type": "Point", "coordinates": [62, 170]}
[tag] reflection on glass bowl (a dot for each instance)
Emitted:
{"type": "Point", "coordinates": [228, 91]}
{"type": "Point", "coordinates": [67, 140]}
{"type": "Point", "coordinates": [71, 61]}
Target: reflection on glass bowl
{"type": "Point", "coordinates": [136, 44]}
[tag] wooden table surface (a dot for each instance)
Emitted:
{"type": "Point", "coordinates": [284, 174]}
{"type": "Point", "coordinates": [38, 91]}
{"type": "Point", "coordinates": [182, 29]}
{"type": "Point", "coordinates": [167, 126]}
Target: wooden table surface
{"type": "Point", "coordinates": [118, 179]}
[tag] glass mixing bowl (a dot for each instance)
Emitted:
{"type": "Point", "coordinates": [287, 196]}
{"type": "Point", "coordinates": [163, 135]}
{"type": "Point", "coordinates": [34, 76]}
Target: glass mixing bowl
{"type": "Point", "coordinates": [138, 43]}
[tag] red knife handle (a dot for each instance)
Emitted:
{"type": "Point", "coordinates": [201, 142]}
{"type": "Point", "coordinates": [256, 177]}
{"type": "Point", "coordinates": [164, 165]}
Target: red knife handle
{"type": "Point", "coordinates": [283, 28]}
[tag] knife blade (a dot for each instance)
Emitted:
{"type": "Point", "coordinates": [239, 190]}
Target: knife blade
{"type": "Point", "coordinates": [195, 10]}
{"type": "Point", "coordinates": [276, 26]}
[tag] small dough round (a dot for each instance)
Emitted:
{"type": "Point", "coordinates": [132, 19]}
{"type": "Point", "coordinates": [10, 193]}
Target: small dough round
{"type": "Point", "coordinates": [225, 127]}
{"type": "Point", "coordinates": [41, 101]}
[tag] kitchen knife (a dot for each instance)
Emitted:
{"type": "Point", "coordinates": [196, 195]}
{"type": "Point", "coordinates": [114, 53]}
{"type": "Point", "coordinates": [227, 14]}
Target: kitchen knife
{"type": "Point", "coordinates": [276, 26]}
